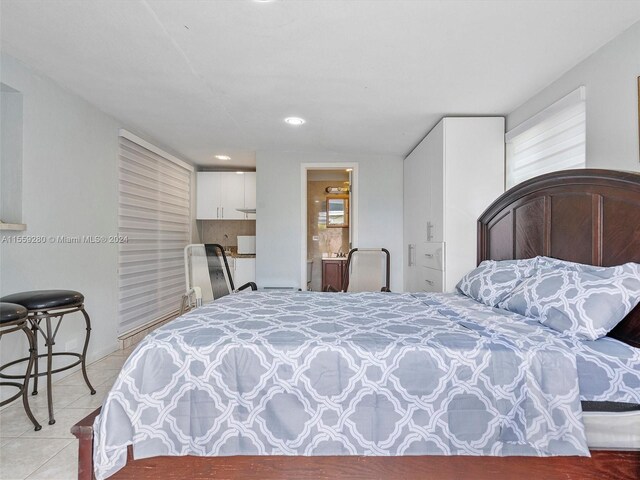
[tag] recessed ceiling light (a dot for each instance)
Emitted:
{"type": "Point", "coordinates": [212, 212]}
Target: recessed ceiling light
{"type": "Point", "coordinates": [240, 173]}
{"type": "Point", "coordinates": [295, 121]}
{"type": "Point", "coordinates": [223, 157]}
{"type": "Point", "coordinates": [263, 1]}
{"type": "Point", "coordinates": [349, 170]}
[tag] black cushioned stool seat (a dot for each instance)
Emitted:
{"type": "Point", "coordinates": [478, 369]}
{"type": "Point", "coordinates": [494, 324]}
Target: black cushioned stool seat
{"type": "Point", "coordinates": [43, 306]}
{"type": "Point", "coordinates": [10, 312]}
{"type": "Point", "coordinates": [13, 318]}
{"type": "Point", "coordinates": [46, 299]}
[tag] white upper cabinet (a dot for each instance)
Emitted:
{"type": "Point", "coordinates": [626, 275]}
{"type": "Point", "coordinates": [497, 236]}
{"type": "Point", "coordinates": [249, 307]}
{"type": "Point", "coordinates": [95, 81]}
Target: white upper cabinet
{"type": "Point", "coordinates": [232, 195]}
{"type": "Point", "coordinates": [208, 196]}
{"type": "Point", "coordinates": [221, 194]}
{"type": "Point", "coordinates": [449, 179]}
{"type": "Point", "coordinates": [250, 192]}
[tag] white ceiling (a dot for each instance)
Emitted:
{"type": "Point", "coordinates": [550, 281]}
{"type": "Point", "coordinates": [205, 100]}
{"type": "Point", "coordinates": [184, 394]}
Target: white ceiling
{"type": "Point", "coordinates": [207, 77]}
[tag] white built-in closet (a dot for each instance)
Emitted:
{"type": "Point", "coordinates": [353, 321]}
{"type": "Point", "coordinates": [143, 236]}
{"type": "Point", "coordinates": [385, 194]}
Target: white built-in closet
{"type": "Point", "coordinates": [449, 179]}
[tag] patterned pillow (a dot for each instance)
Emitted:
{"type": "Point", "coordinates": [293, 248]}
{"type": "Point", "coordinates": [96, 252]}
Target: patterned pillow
{"type": "Point", "coordinates": [492, 281]}
{"type": "Point", "coordinates": [584, 301]}
{"type": "Point", "coordinates": [549, 262]}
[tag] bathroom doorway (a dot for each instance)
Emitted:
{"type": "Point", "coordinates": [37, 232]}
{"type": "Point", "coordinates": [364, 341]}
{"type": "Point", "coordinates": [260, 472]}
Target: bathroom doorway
{"type": "Point", "coordinates": [329, 218]}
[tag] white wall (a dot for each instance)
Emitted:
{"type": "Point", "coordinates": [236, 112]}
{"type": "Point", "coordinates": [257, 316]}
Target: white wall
{"type": "Point", "coordinates": [69, 188]}
{"type": "Point", "coordinates": [69, 185]}
{"type": "Point", "coordinates": [610, 76]}
{"type": "Point", "coordinates": [278, 239]}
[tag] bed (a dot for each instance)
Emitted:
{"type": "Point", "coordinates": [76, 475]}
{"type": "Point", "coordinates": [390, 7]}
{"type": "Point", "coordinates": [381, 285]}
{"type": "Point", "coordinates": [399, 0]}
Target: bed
{"type": "Point", "coordinates": [339, 382]}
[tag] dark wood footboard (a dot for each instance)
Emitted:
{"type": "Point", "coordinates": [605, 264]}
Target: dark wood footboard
{"type": "Point", "coordinates": [601, 465]}
{"type": "Point", "coordinates": [83, 431]}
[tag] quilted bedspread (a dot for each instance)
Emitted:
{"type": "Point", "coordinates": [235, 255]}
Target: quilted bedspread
{"type": "Point", "coordinates": [343, 374]}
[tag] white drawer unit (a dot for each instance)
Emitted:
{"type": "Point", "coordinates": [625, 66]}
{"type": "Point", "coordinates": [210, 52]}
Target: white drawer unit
{"type": "Point", "coordinates": [433, 255]}
{"type": "Point", "coordinates": [432, 279]}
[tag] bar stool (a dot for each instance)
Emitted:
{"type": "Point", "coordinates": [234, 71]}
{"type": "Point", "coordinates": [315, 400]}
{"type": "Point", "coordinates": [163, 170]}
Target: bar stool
{"type": "Point", "coordinates": [45, 305]}
{"type": "Point", "coordinates": [13, 317]}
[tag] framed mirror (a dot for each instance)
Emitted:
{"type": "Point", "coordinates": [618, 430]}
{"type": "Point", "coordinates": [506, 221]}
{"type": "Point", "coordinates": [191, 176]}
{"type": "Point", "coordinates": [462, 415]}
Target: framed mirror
{"type": "Point", "coordinates": [337, 211]}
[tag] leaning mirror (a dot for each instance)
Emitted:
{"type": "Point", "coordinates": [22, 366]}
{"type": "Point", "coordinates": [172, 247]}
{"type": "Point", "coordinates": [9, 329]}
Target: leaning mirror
{"type": "Point", "coordinates": [338, 211]}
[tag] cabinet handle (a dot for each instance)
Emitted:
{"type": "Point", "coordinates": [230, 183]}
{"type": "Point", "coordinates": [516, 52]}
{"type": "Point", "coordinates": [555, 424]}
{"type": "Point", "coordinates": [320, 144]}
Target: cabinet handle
{"type": "Point", "coordinates": [430, 282]}
{"type": "Point", "coordinates": [217, 212]}
{"type": "Point", "coordinates": [429, 255]}
{"type": "Point", "coordinates": [410, 254]}
{"type": "Point", "coordinates": [429, 229]}
{"type": "Point", "coordinates": [222, 212]}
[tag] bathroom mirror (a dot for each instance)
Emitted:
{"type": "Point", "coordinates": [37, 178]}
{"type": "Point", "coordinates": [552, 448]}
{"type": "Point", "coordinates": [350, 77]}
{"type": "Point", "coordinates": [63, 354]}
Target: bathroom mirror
{"type": "Point", "coordinates": [337, 211]}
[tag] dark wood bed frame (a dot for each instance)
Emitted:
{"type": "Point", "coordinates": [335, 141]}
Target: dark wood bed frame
{"type": "Point", "coordinates": [587, 216]}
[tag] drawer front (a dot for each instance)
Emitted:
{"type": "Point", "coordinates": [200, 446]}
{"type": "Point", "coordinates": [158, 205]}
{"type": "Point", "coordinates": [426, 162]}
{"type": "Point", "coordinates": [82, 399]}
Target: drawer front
{"type": "Point", "coordinates": [433, 255]}
{"type": "Point", "coordinates": [432, 280]}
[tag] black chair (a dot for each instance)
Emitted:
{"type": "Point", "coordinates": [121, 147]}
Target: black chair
{"type": "Point", "coordinates": [208, 275]}
{"type": "Point", "coordinates": [367, 270]}
{"type": "Point", "coordinates": [13, 318]}
{"type": "Point", "coordinates": [43, 306]}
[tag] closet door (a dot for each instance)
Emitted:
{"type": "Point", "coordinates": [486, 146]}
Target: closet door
{"type": "Point", "coordinates": [415, 215]}
{"type": "Point", "coordinates": [434, 152]}
{"type": "Point", "coordinates": [474, 178]}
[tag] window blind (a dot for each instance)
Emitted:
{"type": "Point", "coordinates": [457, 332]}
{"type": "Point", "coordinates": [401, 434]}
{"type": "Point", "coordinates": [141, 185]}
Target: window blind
{"type": "Point", "coordinates": [554, 139]}
{"type": "Point", "coordinates": [154, 219]}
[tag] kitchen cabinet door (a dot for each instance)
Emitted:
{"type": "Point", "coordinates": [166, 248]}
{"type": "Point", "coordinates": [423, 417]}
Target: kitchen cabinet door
{"type": "Point", "coordinates": [250, 193]}
{"type": "Point", "coordinates": [232, 186]}
{"type": "Point", "coordinates": [208, 196]}
{"type": "Point", "coordinates": [245, 271]}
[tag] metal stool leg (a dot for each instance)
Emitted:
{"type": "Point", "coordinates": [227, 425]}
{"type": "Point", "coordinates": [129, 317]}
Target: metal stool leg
{"type": "Point", "coordinates": [84, 350]}
{"type": "Point", "coordinates": [50, 343]}
{"type": "Point", "coordinates": [34, 330]}
{"type": "Point", "coordinates": [33, 352]}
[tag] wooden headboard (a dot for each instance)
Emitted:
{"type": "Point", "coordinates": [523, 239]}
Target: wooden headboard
{"type": "Point", "coordinates": [587, 216]}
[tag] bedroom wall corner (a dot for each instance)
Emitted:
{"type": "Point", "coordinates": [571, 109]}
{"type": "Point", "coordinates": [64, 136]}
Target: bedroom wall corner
{"type": "Point", "coordinates": [610, 76]}
{"type": "Point", "coordinates": [70, 189]}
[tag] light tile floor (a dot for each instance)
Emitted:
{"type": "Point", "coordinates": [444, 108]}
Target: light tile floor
{"type": "Point", "coordinates": [52, 453]}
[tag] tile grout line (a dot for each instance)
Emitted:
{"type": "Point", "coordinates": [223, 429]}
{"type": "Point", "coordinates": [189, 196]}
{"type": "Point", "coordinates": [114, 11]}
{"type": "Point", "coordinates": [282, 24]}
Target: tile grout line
{"type": "Point", "coordinates": [48, 459]}
{"type": "Point", "coordinates": [96, 364]}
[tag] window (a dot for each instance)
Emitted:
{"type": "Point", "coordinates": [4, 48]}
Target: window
{"type": "Point", "coordinates": [154, 223]}
{"type": "Point", "coordinates": [11, 155]}
{"type": "Point", "coordinates": [551, 140]}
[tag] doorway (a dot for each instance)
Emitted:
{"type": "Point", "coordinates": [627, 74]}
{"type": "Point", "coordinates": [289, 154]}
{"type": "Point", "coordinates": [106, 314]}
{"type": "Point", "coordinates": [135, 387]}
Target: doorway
{"type": "Point", "coordinates": [329, 217]}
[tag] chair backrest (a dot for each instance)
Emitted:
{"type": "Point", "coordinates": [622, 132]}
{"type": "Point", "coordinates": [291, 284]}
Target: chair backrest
{"type": "Point", "coordinates": [367, 270]}
{"type": "Point", "coordinates": [206, 267]}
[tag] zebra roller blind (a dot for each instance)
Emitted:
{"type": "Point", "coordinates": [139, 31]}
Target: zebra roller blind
{"type": "Point", "coordinates": [154, 219]}
{"type": "Point", "coordinates": [554, 139]}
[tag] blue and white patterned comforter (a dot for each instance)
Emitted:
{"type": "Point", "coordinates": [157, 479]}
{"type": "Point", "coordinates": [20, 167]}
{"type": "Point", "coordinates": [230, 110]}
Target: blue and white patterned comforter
{"type": "Point", "coordinates": [344, 374]}
{"type": "Point", "coordinates": [608, 370]}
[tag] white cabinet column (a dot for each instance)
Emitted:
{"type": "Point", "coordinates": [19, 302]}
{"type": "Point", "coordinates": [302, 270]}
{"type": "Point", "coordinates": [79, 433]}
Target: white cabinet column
{"type": "Point", "coordinates": [449, 179]}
